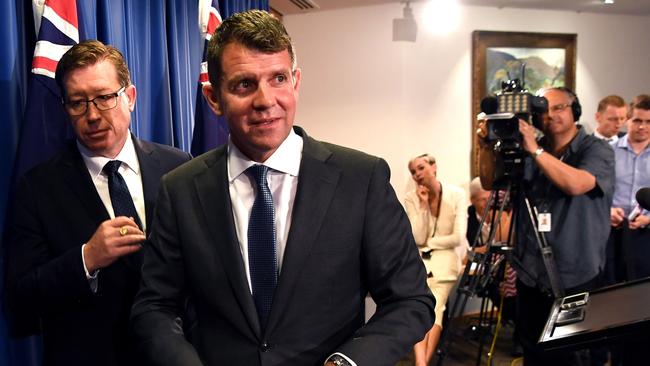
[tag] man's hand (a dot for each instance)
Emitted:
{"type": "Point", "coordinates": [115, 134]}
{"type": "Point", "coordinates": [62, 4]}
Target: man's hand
{"type": "Point", "coordinates": [529, 136]}
{"type": "Point", "coordinates": [112, 239]}
{"type": "Point", "coordinates": [570, 180]}
{"type": "Point", "coordinates": [616, 216]}
{"type": "Point", "coordinates": [481, 129]}
{"type": "Point", "coordinates": [639, 222]}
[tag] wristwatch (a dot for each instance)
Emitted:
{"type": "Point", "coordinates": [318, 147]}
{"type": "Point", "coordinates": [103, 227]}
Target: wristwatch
{"type": "Point", "coordinates": [538, 152]}
{"type": "Point", "coordinates": [338, 360]}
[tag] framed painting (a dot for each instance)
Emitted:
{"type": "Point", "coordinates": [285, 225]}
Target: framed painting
{"type": "Point", "coordinates": [550, 60]}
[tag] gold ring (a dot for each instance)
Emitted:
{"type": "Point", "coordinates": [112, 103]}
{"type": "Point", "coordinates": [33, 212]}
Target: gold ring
{"type": "Point", "coordinates": [124, 230]}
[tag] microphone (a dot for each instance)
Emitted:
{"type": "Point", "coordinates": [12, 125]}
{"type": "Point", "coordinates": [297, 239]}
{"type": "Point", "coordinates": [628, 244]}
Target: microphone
{"type": "Point", "coordinates": [635, 212]}
{"type": "Point", "coordinates": [643, 197]}
{"type": "Point", "coordinates": [489, 105]}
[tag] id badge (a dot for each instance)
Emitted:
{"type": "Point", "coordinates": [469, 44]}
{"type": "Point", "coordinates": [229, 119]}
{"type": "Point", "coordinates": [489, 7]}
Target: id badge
{"type": "Point", "coordinates": [544, 222]}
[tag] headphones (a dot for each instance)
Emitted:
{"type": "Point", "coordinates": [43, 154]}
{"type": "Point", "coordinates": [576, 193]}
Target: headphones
{"type": "Point", "coordinates": [576, 108]}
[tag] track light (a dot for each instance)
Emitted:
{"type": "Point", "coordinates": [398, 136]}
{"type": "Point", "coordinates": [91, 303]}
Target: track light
{"type": "Point", "coordinates": [405, 28]}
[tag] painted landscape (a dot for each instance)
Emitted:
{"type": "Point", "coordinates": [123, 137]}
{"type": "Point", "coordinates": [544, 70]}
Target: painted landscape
{"type": "Point", "coordinates": [545, 67]}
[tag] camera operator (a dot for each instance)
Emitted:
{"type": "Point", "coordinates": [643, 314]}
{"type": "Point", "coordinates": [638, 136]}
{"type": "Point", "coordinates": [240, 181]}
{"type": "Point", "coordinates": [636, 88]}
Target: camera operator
{"type": "Point", "coordinates": [569, 178]}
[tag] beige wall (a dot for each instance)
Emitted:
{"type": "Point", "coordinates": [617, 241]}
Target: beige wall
{"type": "Point", "coordinates": [400, 99]}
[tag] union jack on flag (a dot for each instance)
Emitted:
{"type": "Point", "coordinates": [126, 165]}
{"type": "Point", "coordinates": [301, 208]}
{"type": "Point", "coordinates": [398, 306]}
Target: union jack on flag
{"type": "Point", "coordinates": [59, 30]}
{"type": "Point", "coordinates": [209, 129]}
{"type": "Point", "coordinates": [45, 124]}
{"type": "Point", "coordinates": [210, 20]}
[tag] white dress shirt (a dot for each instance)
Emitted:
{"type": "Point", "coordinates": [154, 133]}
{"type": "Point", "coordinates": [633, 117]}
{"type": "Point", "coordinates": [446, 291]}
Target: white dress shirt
{"type": "Point", "coordinates": [282, 178]}
{"type": "Point", "coordinates": [130, 171]}
{"type": "Point", "coordinates": [610, 140]}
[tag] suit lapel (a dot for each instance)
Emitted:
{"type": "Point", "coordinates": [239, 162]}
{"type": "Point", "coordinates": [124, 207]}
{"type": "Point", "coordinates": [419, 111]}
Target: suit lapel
{"type": "Point", "coordinates": [316, 186]}
{"type": "Point", "coordinates": [150, 174]}
{"type": "Point", "coordinates": [213, 193]}
{"type": "Point", "coordinates": [76, 176]}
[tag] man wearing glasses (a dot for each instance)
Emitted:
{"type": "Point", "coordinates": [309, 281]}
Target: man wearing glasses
{"type": "Point", "coordinates": [569, 177]}
{"type": "Point", "coordinates": [571, 183]}
{"type": "Point", "coordinates": [79, 220]}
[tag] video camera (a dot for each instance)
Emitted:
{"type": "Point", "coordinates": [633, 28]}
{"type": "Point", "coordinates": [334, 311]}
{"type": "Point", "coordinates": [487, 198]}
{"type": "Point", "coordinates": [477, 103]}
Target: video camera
{"type": "Point", "coordinates": [502, 113]}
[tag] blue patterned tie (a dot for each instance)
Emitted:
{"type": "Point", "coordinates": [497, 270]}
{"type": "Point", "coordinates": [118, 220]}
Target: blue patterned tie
{"type": "Point", "coordinates": [119, 192]}
{"type": "Point", "coordinates": [262, 257]}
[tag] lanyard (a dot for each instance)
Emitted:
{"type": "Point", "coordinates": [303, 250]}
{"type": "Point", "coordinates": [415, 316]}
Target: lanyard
{"type": "Point", "coordinates": [435, 226]}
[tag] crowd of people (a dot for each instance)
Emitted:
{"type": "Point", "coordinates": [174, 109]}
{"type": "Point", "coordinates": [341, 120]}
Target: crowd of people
{"type": "Point", "coordinates": [583, 189]}
{"type": "Point", "coordinates": [261, 252]}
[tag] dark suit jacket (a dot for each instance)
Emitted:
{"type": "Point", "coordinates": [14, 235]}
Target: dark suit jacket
{"type": "Point", "coordinates": [56, 210]}
{"type": "Point", "coordinates": [349, 236]}
{"type": "Point", "coordinates": [473, 225]}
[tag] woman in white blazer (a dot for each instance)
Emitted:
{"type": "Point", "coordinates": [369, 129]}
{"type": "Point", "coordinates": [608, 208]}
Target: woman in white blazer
{"type": "Point", "coordinates": [438, 215]}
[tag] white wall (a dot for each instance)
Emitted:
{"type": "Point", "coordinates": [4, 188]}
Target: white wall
{"type": "Point", "coordinates": [400, 99]}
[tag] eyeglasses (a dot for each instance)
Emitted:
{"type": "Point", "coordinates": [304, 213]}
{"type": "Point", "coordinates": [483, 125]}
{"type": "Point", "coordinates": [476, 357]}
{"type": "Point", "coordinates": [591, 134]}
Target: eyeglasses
{"type": "Point", "coordinates": [558, 108]}
{"type": "Point", "coordinates": [101, 102]}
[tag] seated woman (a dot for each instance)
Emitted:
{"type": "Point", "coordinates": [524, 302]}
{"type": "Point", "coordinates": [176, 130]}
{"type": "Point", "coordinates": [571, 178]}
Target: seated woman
{"type": "Point", "coordinates": [438, 215]}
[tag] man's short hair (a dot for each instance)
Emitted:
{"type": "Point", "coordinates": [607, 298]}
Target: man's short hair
{"type": "Point", "coordinates": [641, 101]}
{"type": "Point", "coordinates": [613, 100]}
{"type": "Point", "coordinates": [254, 29]}
{"type": "Point", "coordinates": [568, 92]}
{"type": "Point", "coordinates": [88, 53]}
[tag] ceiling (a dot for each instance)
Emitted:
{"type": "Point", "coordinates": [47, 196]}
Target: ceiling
{"type": "Point", "coordinates": [629, 7]}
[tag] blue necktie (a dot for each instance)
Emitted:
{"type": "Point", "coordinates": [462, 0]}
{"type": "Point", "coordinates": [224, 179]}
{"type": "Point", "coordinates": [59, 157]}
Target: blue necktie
{"type": "Point", "coordinates": [119, 192]}
{"type": "Point", "coordinates": [262, 257]}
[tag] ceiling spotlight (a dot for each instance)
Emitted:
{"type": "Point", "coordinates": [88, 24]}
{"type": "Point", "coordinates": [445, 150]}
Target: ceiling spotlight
{"type": "Point", "coordinates": [405, 28]}
{"type": "Point", "coordinates": [608, 1]}
{"type": "Point", "coordinates": [441, 17]}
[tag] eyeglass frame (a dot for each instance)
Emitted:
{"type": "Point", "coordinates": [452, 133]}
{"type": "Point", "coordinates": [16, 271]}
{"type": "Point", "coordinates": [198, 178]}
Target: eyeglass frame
{"type": "Point", "coordinates": [559, 108]}
{"type": "Point", "coordinates": [88, 101]}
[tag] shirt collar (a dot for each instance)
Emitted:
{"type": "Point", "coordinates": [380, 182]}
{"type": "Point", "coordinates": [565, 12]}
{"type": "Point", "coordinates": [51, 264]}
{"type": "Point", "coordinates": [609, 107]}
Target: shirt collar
{"type": "Point", "coordinates": [614, 138]}
{"type": "Point", "coordinates": [95, 163]}
{"type": "Point", "coordinates": [575, 142]}
{"type": "Point", "coordinates": [622, 142]}
{"type": "Point", "coordinates": [285, 159]}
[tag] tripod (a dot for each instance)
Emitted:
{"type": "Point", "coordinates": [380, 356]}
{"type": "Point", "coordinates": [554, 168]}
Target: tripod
{"type": "Point", "coordinates": [481, 268]}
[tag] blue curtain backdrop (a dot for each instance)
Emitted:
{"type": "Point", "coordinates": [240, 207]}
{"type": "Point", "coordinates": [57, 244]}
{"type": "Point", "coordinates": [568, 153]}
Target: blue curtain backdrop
{"type": "Point", "coordinates": [163, 46]}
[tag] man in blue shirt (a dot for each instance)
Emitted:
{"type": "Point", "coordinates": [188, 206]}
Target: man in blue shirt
{"type": "Point", "coordinates": [569, 177]}
{"type": "Point", "coordinates": [571, 183]}
{"type": "Point", "coordinates": [629, 222]}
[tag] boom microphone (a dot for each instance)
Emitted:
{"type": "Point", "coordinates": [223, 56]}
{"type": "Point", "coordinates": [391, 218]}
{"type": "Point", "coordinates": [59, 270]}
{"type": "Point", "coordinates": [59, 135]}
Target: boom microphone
{"type": "Point", "coordinates": [643, 197]}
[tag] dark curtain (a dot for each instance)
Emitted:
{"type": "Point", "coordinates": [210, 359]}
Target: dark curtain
{"type": "Point", "coordinates": [162, 43]}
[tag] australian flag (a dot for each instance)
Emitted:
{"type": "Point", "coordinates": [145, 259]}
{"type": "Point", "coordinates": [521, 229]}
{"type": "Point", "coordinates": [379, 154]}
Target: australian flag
{"type": "Point", "coordinates": [209, 129]}
{"type": "Point", "coordinates": [45, 124]}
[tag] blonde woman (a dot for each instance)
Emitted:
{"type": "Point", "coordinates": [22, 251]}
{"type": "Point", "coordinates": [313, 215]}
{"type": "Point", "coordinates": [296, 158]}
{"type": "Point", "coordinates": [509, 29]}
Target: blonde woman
{"type": "Point", "coordinates": [438, 215]}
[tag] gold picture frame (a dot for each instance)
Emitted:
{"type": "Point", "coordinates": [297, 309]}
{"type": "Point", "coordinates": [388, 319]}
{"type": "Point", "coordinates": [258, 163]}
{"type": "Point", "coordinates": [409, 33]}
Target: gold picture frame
{"type": "Point", "coordinates": [550, 59]}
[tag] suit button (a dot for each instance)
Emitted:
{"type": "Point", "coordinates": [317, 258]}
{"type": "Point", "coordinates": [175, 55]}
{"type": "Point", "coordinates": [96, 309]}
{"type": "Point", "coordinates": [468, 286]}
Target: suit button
{"type": "Point", "coordinates": [265, 347]}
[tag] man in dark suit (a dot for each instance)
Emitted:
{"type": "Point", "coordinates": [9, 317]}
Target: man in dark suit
{"type": "Point", "coordinates": [611, 116]}
{"type": "Point", "coordinates": [289, 291]}
{"type": "Point", "coordinates": [73, 248]}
